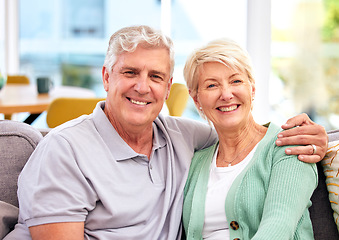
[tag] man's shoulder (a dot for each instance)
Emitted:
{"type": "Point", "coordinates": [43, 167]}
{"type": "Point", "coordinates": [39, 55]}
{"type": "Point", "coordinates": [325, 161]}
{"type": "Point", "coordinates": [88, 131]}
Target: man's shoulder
{"type": "Point", "coordinates": [79, 128]}
{"type": "Point", "coordinates": [179, 130]}
{"type": "Point", "coordinates": [180, 123]}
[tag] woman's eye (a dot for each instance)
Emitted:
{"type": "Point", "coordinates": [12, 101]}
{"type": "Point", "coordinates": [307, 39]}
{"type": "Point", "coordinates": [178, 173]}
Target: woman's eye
{"type": "Point", "coordinates": [211, 85]}
{"type": "Point", "coordinates": [237, 81]}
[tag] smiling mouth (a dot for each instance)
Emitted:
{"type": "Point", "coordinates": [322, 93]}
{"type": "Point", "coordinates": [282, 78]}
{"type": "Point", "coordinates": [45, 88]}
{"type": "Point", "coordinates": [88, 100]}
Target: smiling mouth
{"type": "Point", "coordinates": [228, 109]}
{"type": "Point", "coordinates": [137, 102]}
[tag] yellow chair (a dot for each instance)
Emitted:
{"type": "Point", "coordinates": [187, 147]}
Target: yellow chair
{"type": "Point", "coordinates": [177, 100]}
{"type": "Point", "coordinates": [17, 79]}
{"type": "Point", "coordinates": [64, 109]}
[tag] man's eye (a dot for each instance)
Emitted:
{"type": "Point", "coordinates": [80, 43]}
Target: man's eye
{"type": "Point", "coordinates": [129, 73]}
{"type": "Point", "coordinates": [237, 81]}
{"type": "Point", "coordinates": [156, 77]}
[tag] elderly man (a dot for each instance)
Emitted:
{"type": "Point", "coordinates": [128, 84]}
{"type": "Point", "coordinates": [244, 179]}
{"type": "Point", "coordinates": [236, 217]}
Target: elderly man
{"type": "Point", "coordinates": [119, 173]}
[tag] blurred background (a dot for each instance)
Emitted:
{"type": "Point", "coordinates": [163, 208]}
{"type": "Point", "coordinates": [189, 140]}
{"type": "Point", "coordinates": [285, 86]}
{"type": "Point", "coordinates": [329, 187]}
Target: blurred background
{"type": "Point", "coordinates": [294, 45]}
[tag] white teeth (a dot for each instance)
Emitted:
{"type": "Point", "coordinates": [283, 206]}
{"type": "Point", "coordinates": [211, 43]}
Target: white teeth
{"type": "Point", "coordinates": [228, 109]}
{"type": "Point", "coordinates": [137, 102]}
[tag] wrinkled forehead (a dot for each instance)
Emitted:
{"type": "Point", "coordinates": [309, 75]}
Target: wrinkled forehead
{"type": "Point", "coordinates": [155, 59]}
{"type": "Point", "coordinates": [228, 66]}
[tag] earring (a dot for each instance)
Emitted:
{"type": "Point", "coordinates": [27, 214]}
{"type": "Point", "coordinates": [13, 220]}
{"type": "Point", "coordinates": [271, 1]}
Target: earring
{"type": "Point", "coordinates": [200, 108]}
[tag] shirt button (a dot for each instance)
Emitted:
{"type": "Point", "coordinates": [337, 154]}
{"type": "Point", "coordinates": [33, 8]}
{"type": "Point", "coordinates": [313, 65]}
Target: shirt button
{"type": "Point", "coordinates": [234, 225]}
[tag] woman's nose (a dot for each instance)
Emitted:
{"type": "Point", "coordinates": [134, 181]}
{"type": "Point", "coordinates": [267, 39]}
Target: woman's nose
{"type": "Point", "coordinates": [226, 93]}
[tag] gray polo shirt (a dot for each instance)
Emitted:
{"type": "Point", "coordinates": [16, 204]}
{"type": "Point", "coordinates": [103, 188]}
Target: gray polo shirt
{"type": "Point", "coordinates": [84, 171]}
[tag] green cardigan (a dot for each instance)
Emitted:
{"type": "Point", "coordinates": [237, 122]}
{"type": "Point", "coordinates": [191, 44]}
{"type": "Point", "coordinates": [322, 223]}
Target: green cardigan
{"type": "Point", "coordinates": [268, 200]}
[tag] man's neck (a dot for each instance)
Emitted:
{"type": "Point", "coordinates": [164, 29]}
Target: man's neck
{"type": "Point", "coordinates": [138, 137]}
{"type": "Point", "coordinates": [140, 141]}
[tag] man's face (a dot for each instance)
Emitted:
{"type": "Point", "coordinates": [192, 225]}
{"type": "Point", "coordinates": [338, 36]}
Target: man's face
{"type": "Point", "coordinates": [137, 87]}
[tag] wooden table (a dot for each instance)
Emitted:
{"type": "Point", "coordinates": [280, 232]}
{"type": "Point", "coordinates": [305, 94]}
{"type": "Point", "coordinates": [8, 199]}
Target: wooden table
{"type": "Point", "coordinates": [16, 98]}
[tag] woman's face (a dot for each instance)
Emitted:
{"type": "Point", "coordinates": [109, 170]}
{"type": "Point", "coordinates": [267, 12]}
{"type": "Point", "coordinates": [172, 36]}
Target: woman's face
{"type": "Point", "coordinates": [224, 95]}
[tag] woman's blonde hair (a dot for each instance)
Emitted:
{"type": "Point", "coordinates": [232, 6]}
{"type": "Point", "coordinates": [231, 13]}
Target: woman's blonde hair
{"type": "Point", "coordinates": [224, 51]}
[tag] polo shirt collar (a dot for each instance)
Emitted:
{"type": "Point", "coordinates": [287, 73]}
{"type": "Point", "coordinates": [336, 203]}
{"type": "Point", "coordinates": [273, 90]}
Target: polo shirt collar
{"type": "Point", "coordinates": [117, 146]}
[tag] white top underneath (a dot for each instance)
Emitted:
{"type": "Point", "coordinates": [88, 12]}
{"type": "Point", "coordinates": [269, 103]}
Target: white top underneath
{"type": "Point", "coordinates": [220, 181]}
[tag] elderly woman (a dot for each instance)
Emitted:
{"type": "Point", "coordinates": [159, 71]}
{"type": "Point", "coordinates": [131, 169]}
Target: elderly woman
{"type": "Point", "coordinates": [243, 187]}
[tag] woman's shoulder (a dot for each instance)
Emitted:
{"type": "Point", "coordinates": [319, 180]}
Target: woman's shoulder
{"type": "Point", "coordinates": [267, 148]}
{"type": "Point", "coordinates": [270, 137]}
{"type": "Point", "coordinates": [203, 155]}
{"type": "Point", "coordinates": [206, 151]}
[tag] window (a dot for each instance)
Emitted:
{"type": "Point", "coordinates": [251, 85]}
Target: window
{"type": "Point", "coordinates": [57, 41]}
{"type": "Point", "coordinates": [196, 22]}
{"type": "Point", "coordinates": [305, 49]}
{"type": "Point", "coordinates": [67, 40]}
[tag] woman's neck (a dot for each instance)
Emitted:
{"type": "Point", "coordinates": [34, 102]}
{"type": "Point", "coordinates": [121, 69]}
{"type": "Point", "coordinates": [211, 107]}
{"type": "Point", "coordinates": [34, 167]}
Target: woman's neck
{"type": "Point", "coordinates": [235, 145]}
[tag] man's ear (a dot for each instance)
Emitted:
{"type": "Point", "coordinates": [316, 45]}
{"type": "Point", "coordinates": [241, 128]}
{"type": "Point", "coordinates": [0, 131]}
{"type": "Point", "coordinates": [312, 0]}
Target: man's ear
{"type": "Point", "coordinates": [169, 88]}
{"type": "Point", "coordinates": [105, 77]}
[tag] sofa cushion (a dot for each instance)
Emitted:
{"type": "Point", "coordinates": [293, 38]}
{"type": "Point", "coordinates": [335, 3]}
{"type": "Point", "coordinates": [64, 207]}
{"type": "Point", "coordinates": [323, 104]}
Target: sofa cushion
{"type": "Point", "coordinates": [8, 218]}
{"type": "Point", "coordinates": [321, 212]}
{"type": "Point", "coordinates": [17, 142]}
{"type": "Point", "coordinates": [331, 170]}
{"type": "Point", "coordinates": [323, 222]}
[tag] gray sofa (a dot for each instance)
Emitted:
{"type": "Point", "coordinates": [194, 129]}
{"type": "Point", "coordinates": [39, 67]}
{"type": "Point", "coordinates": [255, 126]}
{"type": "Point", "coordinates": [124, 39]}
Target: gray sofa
{"type": "Point", "coordinates": [18, 140]}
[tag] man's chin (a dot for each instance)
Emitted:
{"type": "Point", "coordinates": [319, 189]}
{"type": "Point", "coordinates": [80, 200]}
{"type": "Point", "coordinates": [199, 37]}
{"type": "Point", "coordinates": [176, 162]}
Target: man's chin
{"type": "Point", "coordinates": [140, 119]}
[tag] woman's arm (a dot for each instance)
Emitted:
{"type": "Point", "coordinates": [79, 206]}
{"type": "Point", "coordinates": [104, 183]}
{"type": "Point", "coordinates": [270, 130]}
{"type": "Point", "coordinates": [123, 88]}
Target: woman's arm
{"type": "Point", "coordinates": [290, 188]}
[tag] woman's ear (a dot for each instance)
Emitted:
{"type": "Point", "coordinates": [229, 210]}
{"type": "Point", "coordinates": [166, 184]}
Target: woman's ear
{"type": "Point", "coordinates": [195, 99]}
{"type": "Point", "coordinates": [253, 91]}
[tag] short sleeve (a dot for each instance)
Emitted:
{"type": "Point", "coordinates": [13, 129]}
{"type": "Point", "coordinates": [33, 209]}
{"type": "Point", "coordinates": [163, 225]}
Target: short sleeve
{"type": "Point", "coordinates": [51, 187]}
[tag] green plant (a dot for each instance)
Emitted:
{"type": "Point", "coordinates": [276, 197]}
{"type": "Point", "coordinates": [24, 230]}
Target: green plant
{"type": "Point", "coordinates": [330, 31]}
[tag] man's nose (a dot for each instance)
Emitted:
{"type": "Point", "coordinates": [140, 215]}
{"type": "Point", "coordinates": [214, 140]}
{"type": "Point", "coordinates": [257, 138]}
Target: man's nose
{"type": "Point", "coordinates": [142, 84]}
